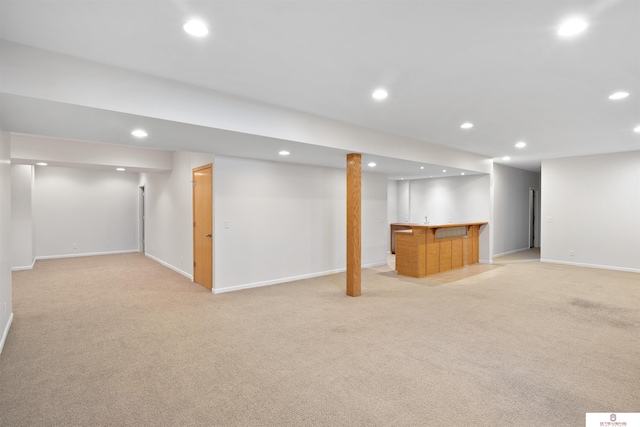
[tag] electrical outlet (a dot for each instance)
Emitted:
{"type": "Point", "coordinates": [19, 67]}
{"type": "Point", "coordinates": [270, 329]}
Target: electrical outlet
{"type": "Point", "coordinates": [572, 253]}
{"type": "Point", "coordinates": [227, 223]}
{"type": "Point", "coordinates": [75, 246]}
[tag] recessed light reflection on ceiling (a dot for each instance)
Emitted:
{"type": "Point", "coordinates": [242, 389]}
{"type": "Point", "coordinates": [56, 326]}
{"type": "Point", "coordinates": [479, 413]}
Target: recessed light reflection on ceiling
{"type": "Point", "coordinates": [444, 171]}
{"type": "Point", "coordinates": [462, 173]}
{"type": "Point", "coordinates": [572, 26]}
{"type": "Point", "coordinates": [120, 169]}
{"type": "Point", "coordinates": [41, 164]}
{"type": "Point", "coordinates": [521, 144]}
{"type": "Point", "coordinates": [506, 158]}
{"type": "Point", "coordinates": [139, 133]}
{"type": "Point", "coordinates": [618, 95]}
{"type": "Point", "coordinates": [466, 125]}
{"type": "Point", "coordinates": [380, 94]}
{"type": "Point", "coordinates": [284, 153]}
{"type": "Point", "coordinates": [637, 129]}
{"type": "Point", "coordinates": [421, 167]}
{"type": "Point", "coordinates": [371, 164]}
{"type": "Point", "coordinates": [196, 28]}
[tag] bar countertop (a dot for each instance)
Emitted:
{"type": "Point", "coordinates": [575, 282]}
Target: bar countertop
{"type": "Point", "coordinates": [415, 225]}
{"type": "Point", "coordinates": [398, 226]}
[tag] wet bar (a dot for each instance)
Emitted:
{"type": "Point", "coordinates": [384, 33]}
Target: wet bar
{"type": "Point", "coordinates": [429, 249]}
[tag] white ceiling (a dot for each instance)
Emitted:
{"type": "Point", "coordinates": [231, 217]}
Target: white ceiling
{"type": "Point", "coordinates": [498, 64]}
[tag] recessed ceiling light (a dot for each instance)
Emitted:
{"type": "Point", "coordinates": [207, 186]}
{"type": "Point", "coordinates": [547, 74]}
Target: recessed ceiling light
{"type": "Point", "coordinates": [444, 170]}
{"type": "Point", "coordinates": [505, 158]}
{"type": "Point", "coordinates": [618, 95]}
{"type": "Point", "coordinates": [284, 153]}
{"type": "Point", "coordinates": [380, 94]}
{"type": "Point", "coordinates": [139, 133]}
{"type": "Point", "coordinates": [637, 129]}
{"type": "Point", "coordinates": [41, 164]}
{"type": "Point", "coordinates": [421, 167]}
{"type": "Point", "coordinates": [120, 169]}
{"type": "Point", "coordinates": [572, 26]}
{"type": "Point", "coordinates": [521, 144]}
{"type": "Point", "coordinates": [196, 28]}
{"type": "Point", "coordinates": [466, 125]}
{"type": "Point", "coordinates": [371, 165]}
{"type": "Point", "coordinates": [462, 173]}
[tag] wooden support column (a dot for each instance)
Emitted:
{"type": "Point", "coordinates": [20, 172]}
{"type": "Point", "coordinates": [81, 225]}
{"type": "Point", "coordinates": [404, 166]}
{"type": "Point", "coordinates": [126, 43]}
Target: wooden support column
{"type": "Point", "coordinates": [354, 228]}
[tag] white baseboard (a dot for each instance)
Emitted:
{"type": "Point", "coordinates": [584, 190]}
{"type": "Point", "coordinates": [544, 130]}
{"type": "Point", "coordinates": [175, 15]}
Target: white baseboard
{"type": "Point", "coordinates": [74, 255]}
{"type": "Point", "coordinates": [371, 265]}
{"type": "Point", "coordinates": [24, 267]}
{"type": "Point", "coordinates": [290, 279]}
{"type": "Point", "coordinates": [169, 266]}
{"type": "Point", "coordinates": [581, 264]}
{"type": "Point", "coordinates": [276, 281]}
{"type": "Point", "coordinates": [6, 332]}
{"type": "Point", "coordinates": [510, 252]}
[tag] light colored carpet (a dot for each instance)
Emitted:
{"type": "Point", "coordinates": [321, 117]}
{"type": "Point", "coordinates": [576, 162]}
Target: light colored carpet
{"type": "Point", "coordinates": [122, 341]}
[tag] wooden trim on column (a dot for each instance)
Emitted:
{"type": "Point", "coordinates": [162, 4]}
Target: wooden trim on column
{"type": "Point", "coordinates": [354, 226]}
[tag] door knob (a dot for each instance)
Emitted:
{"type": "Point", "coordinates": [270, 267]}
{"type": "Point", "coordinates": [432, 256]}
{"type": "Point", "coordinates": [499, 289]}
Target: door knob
{"type": "Point", "coordinates": [207, 235]}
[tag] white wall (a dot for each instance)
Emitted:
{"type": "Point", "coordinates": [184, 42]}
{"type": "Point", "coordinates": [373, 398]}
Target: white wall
{"type": "Point", "coordinates": [169, 212]}
{"type": "Point", "coordinates": [450, 200]}
{"type": "Point", "coordinates": [591, 206]}
{"type": "Point", "coordinates": [6, 314]}
{"type": "Point", "coordinates": [511, 216]}
{"type": "Point", "coordinates": [23, 247]}
{"type": "Point", "coordinates": [403, 201]}
{"type": "Point", "coordinates": [392, 205]}
{"type": "Point", "coordinates": [84, 211]}
{"type": "Point", "coordinates": [276, 222]}
{"type": "Point", "coordinates": [375, 228]}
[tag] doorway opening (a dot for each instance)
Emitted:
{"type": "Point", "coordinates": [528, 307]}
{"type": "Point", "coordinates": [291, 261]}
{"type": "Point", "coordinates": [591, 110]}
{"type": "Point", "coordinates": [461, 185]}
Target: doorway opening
{"type": "Point", "coordinates": [534, 217]}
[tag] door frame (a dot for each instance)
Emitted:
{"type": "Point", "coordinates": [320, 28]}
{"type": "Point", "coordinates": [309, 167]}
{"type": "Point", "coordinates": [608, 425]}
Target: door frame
{"type": "Point", "coordinates": [210, 232]}
{"type": "Point", "coordinates": [141, 209]}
